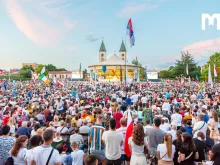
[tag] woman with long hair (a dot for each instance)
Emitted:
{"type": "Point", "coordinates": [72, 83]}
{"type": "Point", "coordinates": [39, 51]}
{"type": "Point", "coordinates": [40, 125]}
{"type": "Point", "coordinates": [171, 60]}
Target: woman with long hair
{"type": "Point", "coordinates": [166, 151]}
{"type": "Point", "coordinates": [188, 153]}
{"type": "Point", "coordinates": [19, 150]}
{"type": "Point", "coordinates": [177, 143]}
{"type": "Point", "coordinates": [11, 125]}
{"type": "Point", "coordinates": [137, 145]}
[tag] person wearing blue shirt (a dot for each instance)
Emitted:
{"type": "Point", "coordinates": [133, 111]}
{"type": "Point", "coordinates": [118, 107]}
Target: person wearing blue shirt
{"type": "Point", "coordinates": [199, 95]}
{"type": "Point", "coordinates": [189, 127]}
{"type": "Point", "coordinates": [128, 101]}
{"type": "Point", "coordinates": [168, 95]}
{"type": "Point", "coordinates": [206, 117]}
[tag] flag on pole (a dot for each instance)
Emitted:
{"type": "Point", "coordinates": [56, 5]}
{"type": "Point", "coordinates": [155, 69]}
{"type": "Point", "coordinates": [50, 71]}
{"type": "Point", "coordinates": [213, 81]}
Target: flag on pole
{"type": "Point", "coordinates": [80, 69]}
{"type": "Point", "coordinates": [44, 79]}
{"type": "Point", "coordinates": [33, 76]}
{"type": "Point", "coordinates": [182, 80]}
{"type": "Point", "coordinates": [130, 32]}
{"type": "Point", "coordinates": [57, 82]}
{"type": "Point", "coordinates": [187, 69]}
{"type": "Point", "coordinates": [210, 78]}
{"type": "Point", "coordinates": [215, 71]}
{"type": "Point", "coordinates": [128, 134]}
{"type": "Point", "coordinates": [43, 70]}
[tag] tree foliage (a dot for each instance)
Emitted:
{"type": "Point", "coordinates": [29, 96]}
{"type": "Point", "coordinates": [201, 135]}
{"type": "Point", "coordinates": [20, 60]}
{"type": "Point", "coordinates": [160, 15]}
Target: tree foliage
{"type": "Point", "coordinates": [25, 72]}
{"type": "Point", "coordinates": [213, 60]}
{"type": "Point", "coordinates": [49, 67]}
{"type": "Point", "coordinates": [180, 67]}
{"type": "Point", "coordinates": [142, 69]}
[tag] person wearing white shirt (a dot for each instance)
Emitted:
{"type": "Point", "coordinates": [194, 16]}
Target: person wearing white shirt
{"type": "Point", "coordinates": [34, 142]}
{"type": "Point", "coordinates": [166, 107]}
{"type": "Point", "coordinates": [164, 153]}
{"type": "Point", "coordinates": [41, 153]}
{"type": "Point", "coordinates": [59, 105]}
{"type": "Point", "coordinates": [173, 132]}
{"type": "Point", "coordinates": [199, 126]}
{"type": "Point", "coordinates": [165, 126]}
{"type": "Point", "coordinates": [113, 141]}
{"type": "Point", "coordinates": [19, 150]}
{"type": "Point", "coordinates": [144, 99]}
{"type": "Point", "coordinates": [77, 155]}
{"type": "Point", "coordinates": [134, 98]}
{"type": "Point", "coordinates": [176, 118]}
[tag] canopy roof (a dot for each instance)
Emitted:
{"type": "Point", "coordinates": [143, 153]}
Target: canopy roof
{"type": "Point", "coordinates": [113, 61]}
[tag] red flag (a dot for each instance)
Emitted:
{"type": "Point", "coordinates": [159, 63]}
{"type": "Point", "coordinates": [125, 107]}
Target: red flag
{"type": "Point", "coordinates": [128, 134]}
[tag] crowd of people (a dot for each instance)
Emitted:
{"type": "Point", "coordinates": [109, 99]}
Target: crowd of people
{"type": "Point", "coordinates": [84, 123]}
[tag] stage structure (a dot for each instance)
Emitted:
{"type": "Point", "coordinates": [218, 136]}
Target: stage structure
{"type": "Point", "coordinates": [113, 69]}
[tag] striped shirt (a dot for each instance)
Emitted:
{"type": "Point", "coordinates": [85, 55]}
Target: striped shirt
{"type": "Point", "coordinates": [96, 135]}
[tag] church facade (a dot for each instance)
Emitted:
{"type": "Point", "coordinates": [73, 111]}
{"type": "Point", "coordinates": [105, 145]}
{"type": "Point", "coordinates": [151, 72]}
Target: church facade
{"type": "Point", "coordinates": [115, 68]}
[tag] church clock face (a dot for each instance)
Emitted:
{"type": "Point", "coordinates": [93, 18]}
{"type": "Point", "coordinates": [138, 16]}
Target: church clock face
{"type": "Point", "coordinates": [102, 55]}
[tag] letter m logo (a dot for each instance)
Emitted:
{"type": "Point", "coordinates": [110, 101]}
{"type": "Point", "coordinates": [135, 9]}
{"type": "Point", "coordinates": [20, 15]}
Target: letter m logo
{"type": "Point", "coordinates": [211, 20]}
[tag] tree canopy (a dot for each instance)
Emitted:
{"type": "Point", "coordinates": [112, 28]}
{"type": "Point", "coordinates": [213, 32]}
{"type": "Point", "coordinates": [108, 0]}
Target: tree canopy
{"type": "Point", "coordinates": [180, 67]}
{"type": "Point", "coordinates": [213, 60]}
{"type": "Point", "coordinates": [49, 67]}
{"type": "Point", "coordinates": [141, 71]}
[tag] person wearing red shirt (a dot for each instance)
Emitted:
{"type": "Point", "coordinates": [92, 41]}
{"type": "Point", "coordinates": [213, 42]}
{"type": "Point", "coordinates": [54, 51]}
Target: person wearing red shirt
{"type": "Point", "coordinates": [6, 118]}
{"type": "Point", "coordinates": [46, 111]}
{"type": "Point", "coordinates": [117, 116]}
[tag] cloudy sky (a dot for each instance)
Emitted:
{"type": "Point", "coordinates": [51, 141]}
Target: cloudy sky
{"type": "Point", "coordinates": [67, 32]}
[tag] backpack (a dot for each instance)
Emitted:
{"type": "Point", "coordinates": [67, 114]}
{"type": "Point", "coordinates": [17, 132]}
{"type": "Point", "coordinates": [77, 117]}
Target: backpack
{"type": "Point", "coordinates": [9, 161]}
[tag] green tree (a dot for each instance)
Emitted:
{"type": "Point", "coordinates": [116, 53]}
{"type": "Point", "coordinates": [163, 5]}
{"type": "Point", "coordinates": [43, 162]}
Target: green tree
{"type": "Point", "coordinates": [213, 60]}
{"type": "Point", "coordinates": [142, 69]}
{"type": "Point", "coordinates": [39, 68]}
{"type": "Point", "coordinates": [50, 67]}
{"type": "Point", "coordinates": [180, 67]}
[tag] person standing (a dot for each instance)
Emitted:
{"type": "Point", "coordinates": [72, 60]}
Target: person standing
{"type": "Point", "coordinates": [137, 145]}
{"type": "Point", "coordinates": [166, 151]}
{"type": "Point", "coordinates": [45, 153]}
{"type": "Point", "coordinates": [97, 145]}
{"type": "Point", "coordinates": [154, 135]}
{"type": "Point", "coordinates": [6, 143]}
{"type": "Point", "coordinates": [176, 118]}
{"type": "Point", "coordinates": [188, 153]}
{"type": "Point", "coordinates": [113, 141]}
{"type": "Point", "coordinates": [199, 126]}
{"type": "Point", "coordinates": [19, 150]}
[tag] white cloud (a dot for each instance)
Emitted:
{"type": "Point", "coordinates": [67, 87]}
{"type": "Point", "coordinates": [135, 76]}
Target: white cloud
{"type": "Point", "coordinates": [131, 10]}
{"type": "Point", "coordinates": [203, 47]}
{"type": "Point", "coordinates": [40, 26]}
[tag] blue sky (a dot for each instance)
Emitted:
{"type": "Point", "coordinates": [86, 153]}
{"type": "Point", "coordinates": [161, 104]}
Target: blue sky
{"type": "Point", "coordinates": [67, 32]}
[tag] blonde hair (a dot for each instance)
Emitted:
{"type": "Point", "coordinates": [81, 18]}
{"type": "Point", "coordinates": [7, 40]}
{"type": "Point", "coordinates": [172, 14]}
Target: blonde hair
{"type": "Point", "coordinates": [168, 142]}
{"type": "Point", "coordinates": [74, 145]}
{"type": "Point", "coordinates": [10, 122]}
{"type": "Point", "coordinates": [61, 123]}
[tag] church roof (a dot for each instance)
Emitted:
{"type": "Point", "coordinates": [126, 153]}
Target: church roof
{"type": "Point", "coordinates": [123, 48]}
{"type": "Point", "coordinates": [102, 47]}
{"type": "Point", "coordinates": [114, 60]}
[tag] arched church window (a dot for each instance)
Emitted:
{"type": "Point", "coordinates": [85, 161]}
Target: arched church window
{"type": "Point", "coordinates": [102, 55]}
{"type": "Point", "coordinates": [122, 55]}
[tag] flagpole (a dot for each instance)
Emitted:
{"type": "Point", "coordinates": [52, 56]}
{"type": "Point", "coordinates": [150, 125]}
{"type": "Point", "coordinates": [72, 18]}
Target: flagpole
{"type": "Point", "coordinates": [126, 61]}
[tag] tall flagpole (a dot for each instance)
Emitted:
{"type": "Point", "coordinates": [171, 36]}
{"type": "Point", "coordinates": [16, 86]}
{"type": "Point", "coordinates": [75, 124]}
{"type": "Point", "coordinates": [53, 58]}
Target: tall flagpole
{"type": "Point", "coordinates": [125, 62]}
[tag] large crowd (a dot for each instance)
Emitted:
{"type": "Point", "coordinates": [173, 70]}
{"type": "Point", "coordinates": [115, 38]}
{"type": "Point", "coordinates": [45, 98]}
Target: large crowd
{"type": "Point", "coordinates": [84, 123]}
